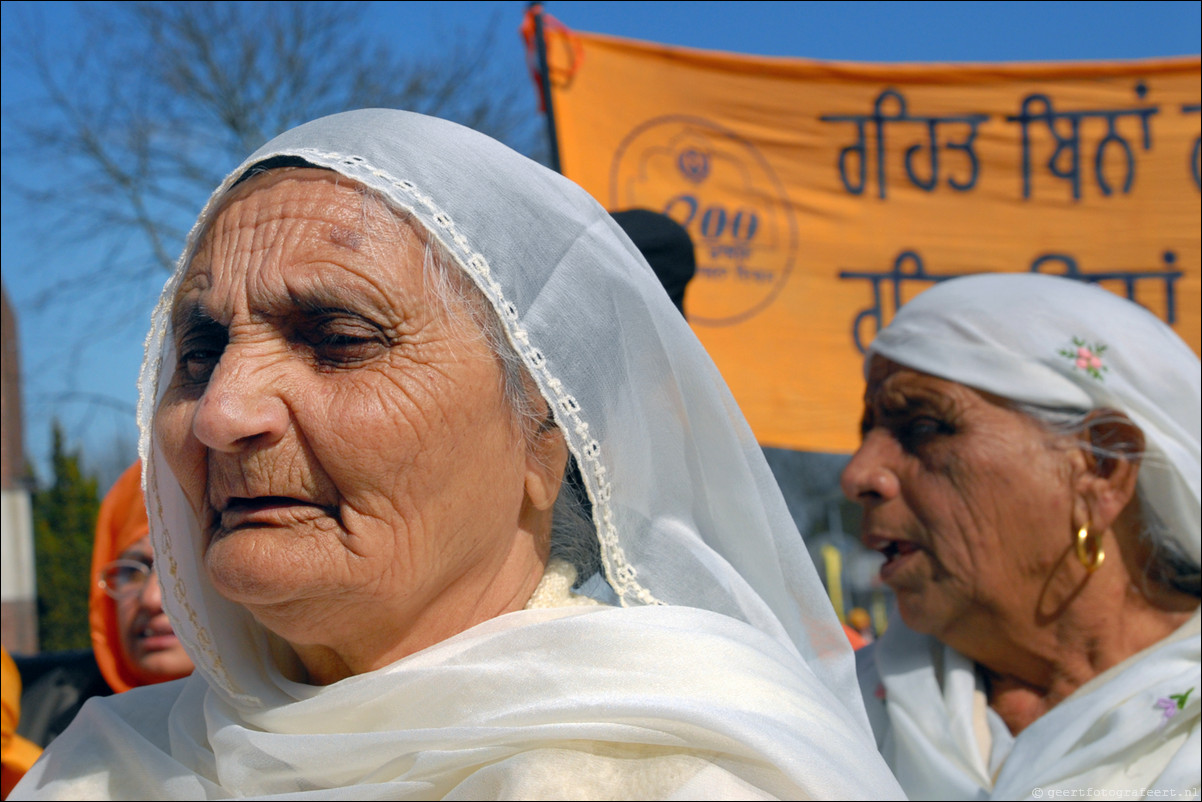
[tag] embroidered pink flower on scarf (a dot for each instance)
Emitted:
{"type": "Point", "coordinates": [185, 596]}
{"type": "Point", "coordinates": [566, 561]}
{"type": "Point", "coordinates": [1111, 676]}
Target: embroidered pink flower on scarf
{"type": "Point", "coordinates": [1169, 705]}
{"type": "Point", "coordinates": [1086, 357]}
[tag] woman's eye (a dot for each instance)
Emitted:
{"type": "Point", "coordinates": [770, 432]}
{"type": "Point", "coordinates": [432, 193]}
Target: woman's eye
{"type": "Point", "coordinates": [197, 366]}
{"type": "Point", "coordinates": [918, 431]}
{"type": "Point", "coordinates": [198, 361]}
{"type": "Point", "coordinates": [345, 342]}
{"type": "Point", "coordinates": [200, 341]}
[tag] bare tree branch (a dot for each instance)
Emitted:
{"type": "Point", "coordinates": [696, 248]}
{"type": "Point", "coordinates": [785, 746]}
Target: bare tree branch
{"type": "Point", "coordinates": [113, 144]}
{"type": "Point", "coordinates": [169, 96]}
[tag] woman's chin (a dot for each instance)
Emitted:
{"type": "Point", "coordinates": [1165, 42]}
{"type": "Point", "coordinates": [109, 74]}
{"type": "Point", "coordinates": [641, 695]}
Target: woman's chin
{"type": "Point", "coordinates": [262, 566]}
{"type": "Point", "coordinates": [163, 664]}
{"type": "Point", "coordinates": [918, 612]}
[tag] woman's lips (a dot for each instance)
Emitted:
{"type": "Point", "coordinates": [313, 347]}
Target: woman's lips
{"type": "Point", "coordinates": [157, 636]}
{"type": "Point", "coordinates": [898, 554]}
{"type": "Point", "coordinates": [268, 511]}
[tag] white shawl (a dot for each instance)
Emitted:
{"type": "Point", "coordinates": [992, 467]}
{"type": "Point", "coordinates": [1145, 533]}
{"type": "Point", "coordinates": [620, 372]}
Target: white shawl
{"type": "Point", "coordinates": [1121, 732]}
{"type": "Point", "coordinates": [721, 673]}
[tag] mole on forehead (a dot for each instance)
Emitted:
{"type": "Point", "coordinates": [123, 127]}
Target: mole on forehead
{"type": "Point", "coordinates": [347, 238]}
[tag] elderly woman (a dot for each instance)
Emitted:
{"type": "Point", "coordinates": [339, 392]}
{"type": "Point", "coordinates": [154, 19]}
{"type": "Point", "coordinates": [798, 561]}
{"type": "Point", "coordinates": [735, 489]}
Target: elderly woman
{"type": "Point", "coordinates": [388, 342]}
{"type": "Point", "coordinates": [1030, 470]}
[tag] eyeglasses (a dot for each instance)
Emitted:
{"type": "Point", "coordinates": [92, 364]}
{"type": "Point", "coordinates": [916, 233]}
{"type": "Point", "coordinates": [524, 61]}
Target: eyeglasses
{"type": "Point", "coordinates": [121, 579]}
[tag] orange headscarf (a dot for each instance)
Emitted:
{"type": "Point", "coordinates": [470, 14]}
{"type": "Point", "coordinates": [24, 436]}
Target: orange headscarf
{"type": "Point", "coordinates": [122, 522]}
{"type": "Point", "coordinates": [16, 753]}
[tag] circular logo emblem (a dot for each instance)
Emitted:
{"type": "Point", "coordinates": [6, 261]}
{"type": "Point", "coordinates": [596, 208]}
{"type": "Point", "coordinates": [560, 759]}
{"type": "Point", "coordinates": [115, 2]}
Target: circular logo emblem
{"type": "Point", "coordinates": [718, 186]}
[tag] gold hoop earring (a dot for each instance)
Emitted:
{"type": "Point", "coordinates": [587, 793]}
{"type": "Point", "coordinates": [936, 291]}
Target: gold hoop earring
{"type": "Point", "coordinates": [1089, 550]}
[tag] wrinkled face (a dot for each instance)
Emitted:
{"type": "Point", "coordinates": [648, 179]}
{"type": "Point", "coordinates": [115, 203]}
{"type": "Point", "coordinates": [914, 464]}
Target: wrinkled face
{"type": "Point", "coordinates": [969, 501]}
{"type": "Point", "coordinates": [147, 640]}
{"type": "Point", "coordinates": [341, 435]}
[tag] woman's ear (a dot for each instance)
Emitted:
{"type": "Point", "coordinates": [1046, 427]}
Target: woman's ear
{"type": "Point", "coordinates": [546, 460]}
{"type": "Point", "coordinates": [1111, 445]}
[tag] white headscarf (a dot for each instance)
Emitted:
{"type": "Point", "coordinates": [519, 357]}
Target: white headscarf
{"type": "Point", "coordinates": [1020, 336]}
{"type": "Point", "coordinates": [722, 673]}
{"type": "Point", "coordinates": [1056, 343]}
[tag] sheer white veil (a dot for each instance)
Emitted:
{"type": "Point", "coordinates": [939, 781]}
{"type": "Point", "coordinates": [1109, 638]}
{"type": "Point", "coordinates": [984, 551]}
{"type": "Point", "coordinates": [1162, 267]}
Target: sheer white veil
{"type": "Point", "coordinates": [687, 510]}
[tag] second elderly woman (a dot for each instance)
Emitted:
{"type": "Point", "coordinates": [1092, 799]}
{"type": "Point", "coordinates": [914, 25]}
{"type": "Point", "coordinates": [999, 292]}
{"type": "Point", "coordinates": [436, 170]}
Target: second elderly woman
{"type": "Point", "coordinates": [1030, 470]}
{"type": "Point", "coordinates": [389, 341]}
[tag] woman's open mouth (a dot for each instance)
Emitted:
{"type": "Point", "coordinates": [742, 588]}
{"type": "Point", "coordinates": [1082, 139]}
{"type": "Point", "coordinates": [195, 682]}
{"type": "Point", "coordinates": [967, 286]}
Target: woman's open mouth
{"type": "Point", "coordinates": [157, 635]}
{"type": "Point", "coordinates": [898, 553]}
{"type": "Point", "coordinates": [268, 511]}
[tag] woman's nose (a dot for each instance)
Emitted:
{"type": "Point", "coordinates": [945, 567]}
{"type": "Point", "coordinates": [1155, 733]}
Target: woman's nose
{"type": "Point", "coordinates": [868, 478]}
{"type": "Point", "coordinates": [241, 405]}
{"type": "Point", "coordinates": [151, 594]}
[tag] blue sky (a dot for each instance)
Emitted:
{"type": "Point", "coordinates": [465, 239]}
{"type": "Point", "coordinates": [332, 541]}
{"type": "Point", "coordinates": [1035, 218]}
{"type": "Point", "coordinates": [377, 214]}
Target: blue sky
{"type": "Point", "coordinates": [81, 365]}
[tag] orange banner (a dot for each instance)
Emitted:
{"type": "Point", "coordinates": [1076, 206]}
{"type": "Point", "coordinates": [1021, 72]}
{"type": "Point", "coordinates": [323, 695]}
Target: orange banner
{"type": "Point", "coordinates": [821, 196]}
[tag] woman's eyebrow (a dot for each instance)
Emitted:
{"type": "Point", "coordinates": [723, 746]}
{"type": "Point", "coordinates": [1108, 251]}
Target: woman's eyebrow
{"type": "Point", "coordinates": [904, 403]}
{"type": "Point", "coordinates": [317, 300]}
{"type": "Point", "coordinates": [361, 298]}
{"type": "Point", "coordinates": [190, 315]}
